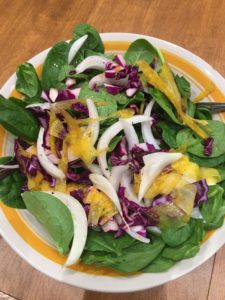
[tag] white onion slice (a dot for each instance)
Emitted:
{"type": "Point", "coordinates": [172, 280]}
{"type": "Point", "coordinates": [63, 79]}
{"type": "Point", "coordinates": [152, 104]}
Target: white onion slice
{"type": "Point", "coordinates": [9, 166]}
{"type": "Point", "coordinates": [146, 127]}
{"type": "Point", "coordinates": [76, 92]}
{"type": "Point", "coordinates": [93, 62]}
{"type": "Point", "coordinates": [100, 80]}
{"type": "Point", "coordinates": [109, 134]}
{"type": "Point", "coordinates": [103, 184]}
{"type": "Point", "coordinates": [126, 183]}
{"type": "Point", "coordinates": [70, 82]}
{"type": "Point", "coordinates": [41, 105]}
{"type": "Point", "coordinates": [93, 114]}
{"type": "Point", "coordinates": [196, 214]}
{"type": "Point", "coordinates": [53, 94]}
{"type": "Point", "coordinates": [44, 96]}
{"type": "Point", "coordinates": [76, 47]}
{"type": "Point", "coordinates": [130, 133]}
{"type": "Point", "coordinates": [46, 164]}
{"type": "Point", "coordinates": [111, 225]}
{"type": "Point", "coordinates": [154, 164]}
{"type": "Point", "coordinates": [116, 174]}
{"type": "Point", "coordinates": [80, 225]}
{"type": "Point", "coordinates": [94, 168]}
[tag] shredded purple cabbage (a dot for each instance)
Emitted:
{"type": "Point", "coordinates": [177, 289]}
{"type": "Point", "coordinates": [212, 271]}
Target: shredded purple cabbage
{"type": "Point", "coordinates": [119, 155]}
{"type": "Point", "coordinates": [161, 200]}
{"type": "Point", "coordinates": [208, 146]}
{"type": "Point", "coordinates": [78, 173]}
{"type": "Point", "coordinates": [42, 116]}
{"type": "Point", "coordinates": [202, 190]}
{"type": "Point", "coordinates": [78, 194]}
{"type": "Point", "coordinates": [81, 109]}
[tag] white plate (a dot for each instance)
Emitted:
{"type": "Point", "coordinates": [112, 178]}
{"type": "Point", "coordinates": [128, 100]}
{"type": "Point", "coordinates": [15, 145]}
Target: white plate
{"type": "Point", "coordinates": [19, 241]}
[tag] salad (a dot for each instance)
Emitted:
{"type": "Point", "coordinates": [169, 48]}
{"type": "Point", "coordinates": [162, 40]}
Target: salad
{"type": "Point", "coordinates": [113, 156]}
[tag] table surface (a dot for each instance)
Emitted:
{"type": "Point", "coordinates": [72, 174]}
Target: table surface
{"type": "Point", "coordinates": [27, 27]}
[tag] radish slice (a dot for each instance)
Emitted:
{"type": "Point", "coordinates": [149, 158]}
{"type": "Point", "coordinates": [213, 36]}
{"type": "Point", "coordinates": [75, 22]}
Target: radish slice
{"type": "Point", "coordinates": [116, 174]}
{"type": "Point", "coordinates": [126, 183]}
{"type": "Point", "coordinates": [76, 47]}
{"type": "Point", "coordinates": [46, 164]}
{"type": "Point", "coordinates": [93, 114]}
{"type": "Point", "coordinates": [93, 62]}
{"type": "Point", "coordinates": [80, 225]}
{"type": "Point", "coordinates": [95, 169]}
{"type": "Point", "coordinates": [154, 164]}
{"type": "Point", "coordinates": [53, 94]}
{"type": "Point", "coordinates": [146, 127]}
{"type": "Point", "coordinates": [106, 187]}
{"type": "Point", "coordinates": [109, 134]}
{"type": "Point", "coordinates": [130, 133]}
{"type": "Point", "coordinates": [100, 80]}
{"type": "Point", "coordinates": [9, 166]}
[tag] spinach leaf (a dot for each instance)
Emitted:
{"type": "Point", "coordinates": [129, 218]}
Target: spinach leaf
{"type": "Point", "coordinates": [140, 49]}
{"type": "Point", "coordinates": [190, 247]}
{"type": "Point", "coordinates": [215, 129]}
{"type": "Point", "coordinates": [27, 81]}
{"type": "Point", "coordinates": [176, 236]}
{"type": "Point", "coordinates": [139, 97]}
{"type": "Point", "coordinates": [132, 259]}
{"type": "Point", "coordinates": [10, 189]}
{"type": "Point", "coordinates": [53, 215]}
{"type": "Point", "coordinates": [160, 264]}
{"type": "Point", "coordinates": [57, 57]}
{"type": "Point", "coordinates": [18, 120]}
{"type": "Point", "coordinates": [169, 132]}
{"type": "Point", "coordinates": [203, 114]}
{"type": "Point", "coordinates": [93, 43]}
{"type": "Point", "coordinates": [191, 108]}
{"type": "Point", "coordinates": [114, 142]}
{"type": "Point", "coordinates": [184, 86]}
{"type": "Point", "coordinates": [98, 241]}
{"type": "Point", "coordinates": [5, 160]}
{"type": "Point", "coordinates": [108, 103]}
{"type": "Point", "coordinates": [163, 102]}
{"type": "Point", "coordinates": [207, 162]}
{"type": "Point", "coordinates": [213, 209]}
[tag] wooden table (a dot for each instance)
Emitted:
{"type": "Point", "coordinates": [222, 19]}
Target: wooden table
{"type": "Point", "coordinates": [27, 27]}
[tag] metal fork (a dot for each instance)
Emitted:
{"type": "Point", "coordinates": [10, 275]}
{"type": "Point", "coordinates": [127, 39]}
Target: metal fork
{"type": "Point", "coordinates": [214, 107]}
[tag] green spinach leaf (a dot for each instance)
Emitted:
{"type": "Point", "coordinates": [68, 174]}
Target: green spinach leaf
{"type": "Point", "coordinates": [10, 189]}
{"type": "Point", "coordinates": [57, 58]}
{"type": "Point", "coordinates": [18, 120]}
{"type": "Point", "coordinates": [169, 132]}
{"type": "Point", "coordinates": [27, 81]}
{"type": "Point", "coordinates": [160, 264]}
{"type": "Point", "coordinates": [184, 86]}
{"type": "Point", "coordinates": [207, 162]}
{"type": "Point", "coordinates": [53, 215]}
{"type": "Point", "coordinates": [138, 50]}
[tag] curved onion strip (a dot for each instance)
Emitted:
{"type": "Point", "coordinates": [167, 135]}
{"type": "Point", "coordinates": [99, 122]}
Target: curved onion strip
{"type": "Point", "coordinates": [106, 187]}
{"type": "Point", "coordinates": [46, 164]}
{"type": "Point", "coordinates": [9, 166]}
{"type": "Point", "coordinates": [93, 114]}
{"type": "Point", "coordinates": [130, 133]}
{"type": "Point", "coordinates": [53, 94]}
{"type": "Point", "coordinates": [154, 164]}
{"type": "Point", "coordinates": [116, 174]}
{"type": "Point", "coordinates": [94, 168]}
{"type": "Point", "coordinates": [76, 92]}
{"type": "Point", "coordinates": [109, 134]}
{"type": "Point", "coordinates": [76, 47]}
{"type": "Point", "coordinates": [92, 62]}
{"type": "Point", "coordinates": [146, 127]}
{"type": "Point", "coordinates": [126, 183]}
{"type": "Point", "coordinates": [41, 105]}
{"type": "Point", "coordinates": [80, 225]}
{"type": "Point", "coordinates": [100, 80]}
{"type": "Point", "coordinates": [196, 214]}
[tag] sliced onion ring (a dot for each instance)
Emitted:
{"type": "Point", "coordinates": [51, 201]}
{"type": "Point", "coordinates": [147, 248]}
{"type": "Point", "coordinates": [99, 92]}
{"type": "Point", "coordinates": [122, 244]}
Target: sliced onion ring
{"type": "Point", "coordinates": [93, 114]}
{"type": "Point", "coordinates": [76, 47]}
{"type": "Point", "coordinates": [9, 167]}
{"type": "Point", "coordinates": [93, 62]}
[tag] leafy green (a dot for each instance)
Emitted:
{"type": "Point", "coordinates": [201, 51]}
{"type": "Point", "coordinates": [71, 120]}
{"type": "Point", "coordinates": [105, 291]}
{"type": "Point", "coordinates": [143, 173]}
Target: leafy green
{"type": "Point", "coordinates": [114, 142]}
{"type": "Point", "coordinates": [5, 160]}
{"type": "Point", "coordinates": [191, 108]}
{"type": "Point", "coordinates": [169, 132]}
{"type": "Point", "coordinates": [140, 50]}
{"type": "Point", "coordinates": [207, 162]}
{"type": "Point", "coordinates": [176, 236]}
{"type": "Point", "coordinates": [203, 114]}
{"type": "Point", "coordinates": [53, 215]}
{"type": "Point", "coordinates": [57, 58]}
{"type": "Point", "coordinates": [160, 264]}
{"type": "Point", "coordinates": [213, 209]}
{"type": "Point", "coordinates": [189, 248]}
{"type": "Point", "coordinates": [105, 102]}
{"type": "Point", "coordinates": [215, 129]}
{"type": "Point", "coordinates": [98, 241]}
{"type": "Point", "coordinates": [93, 43]}
{"type": "Point", "coordinates": [18, 120]}
{"type": "Point", "coordinates": [163, 102]}
{"type": "Point", "coordinates": [27, 81]}
{"type": "Point", "coordinates": [10, 189]}
{"type": "Point", "coordinates": [184, 86]}
{"type": "Point", "coordinates": [132, 259]}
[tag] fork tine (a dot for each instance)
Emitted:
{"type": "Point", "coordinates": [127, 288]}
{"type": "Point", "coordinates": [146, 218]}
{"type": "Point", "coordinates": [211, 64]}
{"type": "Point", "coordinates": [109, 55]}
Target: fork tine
{"type": "Point", "coordinates": [214, 107]}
